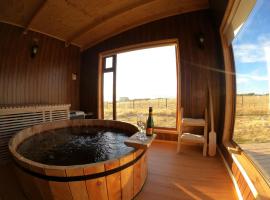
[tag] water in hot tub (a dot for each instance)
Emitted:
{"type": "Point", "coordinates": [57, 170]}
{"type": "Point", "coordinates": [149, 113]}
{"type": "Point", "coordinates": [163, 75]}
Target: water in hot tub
{"type": "Point", "coordinates": [75, 146]}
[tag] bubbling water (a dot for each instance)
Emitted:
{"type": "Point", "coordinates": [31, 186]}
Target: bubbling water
{"type": "Point", "coordinates": [75, 146]}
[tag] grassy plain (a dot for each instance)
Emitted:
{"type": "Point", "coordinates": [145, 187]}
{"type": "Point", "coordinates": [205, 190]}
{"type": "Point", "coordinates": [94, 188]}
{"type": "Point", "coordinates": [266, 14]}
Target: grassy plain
{"type": "Point", "coordinates": [164, 111]}
{"type": "Point", "coordinates": [252, 120]}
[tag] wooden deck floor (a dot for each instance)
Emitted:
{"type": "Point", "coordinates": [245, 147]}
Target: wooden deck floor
{"type": "Point", "coordinates": [260, 155]}
{"type": "Point", "coordinates": [188, 175]}
{"type": "Point", "coordinates": [9, 186]}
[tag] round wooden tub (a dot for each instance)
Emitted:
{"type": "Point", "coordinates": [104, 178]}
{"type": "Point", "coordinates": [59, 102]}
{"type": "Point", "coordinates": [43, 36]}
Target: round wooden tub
{"type": "Point", "coordinates": [120, 178]}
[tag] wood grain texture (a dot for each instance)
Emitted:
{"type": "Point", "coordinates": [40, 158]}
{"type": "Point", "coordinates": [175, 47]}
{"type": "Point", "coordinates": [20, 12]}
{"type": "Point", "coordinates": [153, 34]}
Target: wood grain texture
{"type": "Point", "coordinates": [185, 176]}
{"type": "Point", "coordinates": [45, 79]}
{"type": "Point", "coordinates": [127, 177]}
{"type": "Point", "coordinates": [218, 9]}
{"type": "Point", "coordinates": [29, 187]}
{"type": "Point", "coordinates": [77, 188]}
{"type": "Point", "coordinates": [138, 173]}
{"type": "Point", "coordinates": [113, 181]}
{"type": "Point", "coordinates": [171, 176]}
{"type": "Point", "coordinates": [19, 12]}
{"type": "Point", "coordinates": [241, 182]}
{"type": "Point", "coordinates": [97, 188]}
{"type": "Point", "coordinates": [88, 22]}
{"type": "Point", "coordinates": [115, 185]}
{"type": "Point", "coordinates": [60, 190]}
{"type": "Point", "coordinates": [196, 65]}
{"type": "Point", "coordinates": [259, 153]}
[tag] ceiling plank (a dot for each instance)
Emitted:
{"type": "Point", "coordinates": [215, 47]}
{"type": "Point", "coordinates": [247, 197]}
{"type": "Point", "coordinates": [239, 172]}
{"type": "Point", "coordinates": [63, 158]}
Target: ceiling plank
{"type": "Point", "coordinates": [107, 17]}
{"type": "Point", "coordinates": [34, 16]}
{"type": "Point", "coordinates": [115, 26]}
{"type": "Point", "coordinates": [85, 23]}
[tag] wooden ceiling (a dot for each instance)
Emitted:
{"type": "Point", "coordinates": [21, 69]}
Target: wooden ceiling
{"type": "Point", "coordinates": [85, 23]}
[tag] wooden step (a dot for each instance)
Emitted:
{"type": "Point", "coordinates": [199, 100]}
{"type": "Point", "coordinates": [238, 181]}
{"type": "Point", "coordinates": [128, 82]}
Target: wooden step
{"type": "Point", "coordinates": [193, 122]}
{"type": "Point", "coordinates": [189, 137]}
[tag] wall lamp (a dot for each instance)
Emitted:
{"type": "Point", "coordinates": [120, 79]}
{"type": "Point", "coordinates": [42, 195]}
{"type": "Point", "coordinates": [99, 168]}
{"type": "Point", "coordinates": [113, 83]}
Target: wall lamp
{"type": "Point", "coordinates": [34, 48]}
{"type": "Point", "coordinates": [200, 40]}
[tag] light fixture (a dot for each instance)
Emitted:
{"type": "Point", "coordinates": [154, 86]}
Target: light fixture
{"type": "Point", "coordinates": [201, 40]}
{"type": "Point", "coordinates": [34, 48]}
{"type": "Point", "coordinates": [74, 76]}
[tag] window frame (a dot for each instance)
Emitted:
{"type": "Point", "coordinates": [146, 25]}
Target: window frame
{"type": "Point", "coordinates": [233, 10]}
{"type": "Point", "coordinates": [110, 70]}
{"type": "Point", "coordinates": [139, 46]}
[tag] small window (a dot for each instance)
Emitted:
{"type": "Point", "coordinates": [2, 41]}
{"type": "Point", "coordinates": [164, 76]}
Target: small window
{"type": "Point", "coordinates": [108, 62]}
{"type": "Point", "coordinates": [108, 95]}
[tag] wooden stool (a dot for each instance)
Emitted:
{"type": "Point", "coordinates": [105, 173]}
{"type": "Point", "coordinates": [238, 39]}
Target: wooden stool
{"type": "Point", "coordinates": [193, 138]}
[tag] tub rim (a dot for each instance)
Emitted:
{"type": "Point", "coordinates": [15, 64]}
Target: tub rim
{"type": "Point", "coordinates": [28, 132]}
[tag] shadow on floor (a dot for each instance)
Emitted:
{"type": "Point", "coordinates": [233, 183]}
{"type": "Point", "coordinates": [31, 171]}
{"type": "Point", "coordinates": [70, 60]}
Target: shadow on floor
{"type": "Point", "coordinates": [9, 185]}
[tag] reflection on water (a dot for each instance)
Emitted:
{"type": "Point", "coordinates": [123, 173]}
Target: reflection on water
{"type": "Point", "coordinates": [75, 146]}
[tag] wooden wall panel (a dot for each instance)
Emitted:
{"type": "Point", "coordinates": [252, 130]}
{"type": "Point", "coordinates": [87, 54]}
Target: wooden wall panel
{"type": "Point", "coordinates": [218, 9]}
{"type": "Point", "coordinates": [242, 183]}
{"type": "Point", "coordinates": [45, 79]}
{"type": "Point", "coordinates": [197, 65]}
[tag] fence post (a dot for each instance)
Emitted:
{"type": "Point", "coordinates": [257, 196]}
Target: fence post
{"type": "Point", "coordinates": [133, 103]}
{"type": "Point", "coordinates": [166, 103]}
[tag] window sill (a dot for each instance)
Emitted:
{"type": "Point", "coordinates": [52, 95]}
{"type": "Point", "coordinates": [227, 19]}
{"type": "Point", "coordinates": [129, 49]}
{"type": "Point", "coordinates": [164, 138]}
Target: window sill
{"type": "Point", "coordinates": [166, 131]}
{"type": "Point", "coordinates": [259, 186]}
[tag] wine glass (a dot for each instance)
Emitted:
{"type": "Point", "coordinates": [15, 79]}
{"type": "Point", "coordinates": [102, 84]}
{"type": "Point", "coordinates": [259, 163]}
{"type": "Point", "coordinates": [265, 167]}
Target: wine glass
{"type": "Point", "coordinates": [141, 125]}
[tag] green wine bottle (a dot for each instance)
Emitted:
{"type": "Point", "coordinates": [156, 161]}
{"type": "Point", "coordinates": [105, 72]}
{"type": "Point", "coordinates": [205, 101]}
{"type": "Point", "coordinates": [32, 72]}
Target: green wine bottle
{"type": "Point", "coordinates": [150, 123]}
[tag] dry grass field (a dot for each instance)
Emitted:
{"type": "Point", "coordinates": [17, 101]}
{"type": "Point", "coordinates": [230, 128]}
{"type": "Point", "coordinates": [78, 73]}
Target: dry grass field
{"type": "Point", "coordinates": [252, 120]}
{"type": "Point", "coordinates": [164, 111]}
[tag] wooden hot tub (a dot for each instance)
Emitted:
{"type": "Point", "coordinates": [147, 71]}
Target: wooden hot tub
{"type": "Point", "coordinates": [118, 178]}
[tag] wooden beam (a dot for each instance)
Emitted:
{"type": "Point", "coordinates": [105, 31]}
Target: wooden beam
{"type": "Point", "coordinates": [161, 15]}
{"type": "Point", "coordinates": [34, 16]}
{"type": "Point", "coordinates": [106, 17]}
{"type": "Point", "coordinates": [114, 86]}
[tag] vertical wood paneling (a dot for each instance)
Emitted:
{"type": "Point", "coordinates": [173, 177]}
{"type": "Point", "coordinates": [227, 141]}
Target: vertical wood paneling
{"type": "Point", "coordinates": [197, 65]}
{"type": "Point", "coordinates": [45, 79]}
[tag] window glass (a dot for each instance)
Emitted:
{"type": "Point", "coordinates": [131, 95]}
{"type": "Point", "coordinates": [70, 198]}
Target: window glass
{"type": "Point", "coordinates": [108, 62]}
{"type": "Point", "coordinates": [108, 95]}
{"type": "Point", "coordinates": [251, 49]}
{"type": "Point", "coordinates": [146, 78]}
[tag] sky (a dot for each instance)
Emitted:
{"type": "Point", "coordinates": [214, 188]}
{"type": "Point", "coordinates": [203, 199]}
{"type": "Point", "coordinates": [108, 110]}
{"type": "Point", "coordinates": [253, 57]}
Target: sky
{"type": "Point", "coordinates": [147, 73]}
{"type": "Point", "coordinates": [151, 73]}
{"type": "Point", "coordinates": [251, 48]}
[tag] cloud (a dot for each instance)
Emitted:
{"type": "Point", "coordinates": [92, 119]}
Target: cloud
{"type": "Point", "coordinates": [253, 76]}
{"type": "Point", "coordinates": [242, 80]}
{"type": "Point", "coordinates": [252, 52]}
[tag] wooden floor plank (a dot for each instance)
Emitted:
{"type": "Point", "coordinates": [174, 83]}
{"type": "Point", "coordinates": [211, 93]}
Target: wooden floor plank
{"type": "Point", "coordinates": [9, 186]}
{"type": "Point", "coordinates": [187, 175]}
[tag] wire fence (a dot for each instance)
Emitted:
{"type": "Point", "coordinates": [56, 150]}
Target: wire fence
{"type": "Point", "coordinates": [252, 120]}
{"type": "Point", "coordinates": [252, 105]}
{"type": "Point", "coordinates": [164, 110]}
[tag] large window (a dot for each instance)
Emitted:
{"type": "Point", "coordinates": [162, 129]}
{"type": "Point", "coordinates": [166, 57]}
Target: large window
{"type": "Point", "coordinates": [251, 49]}
{"type": "Point", "coordinates": [144, 77]}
